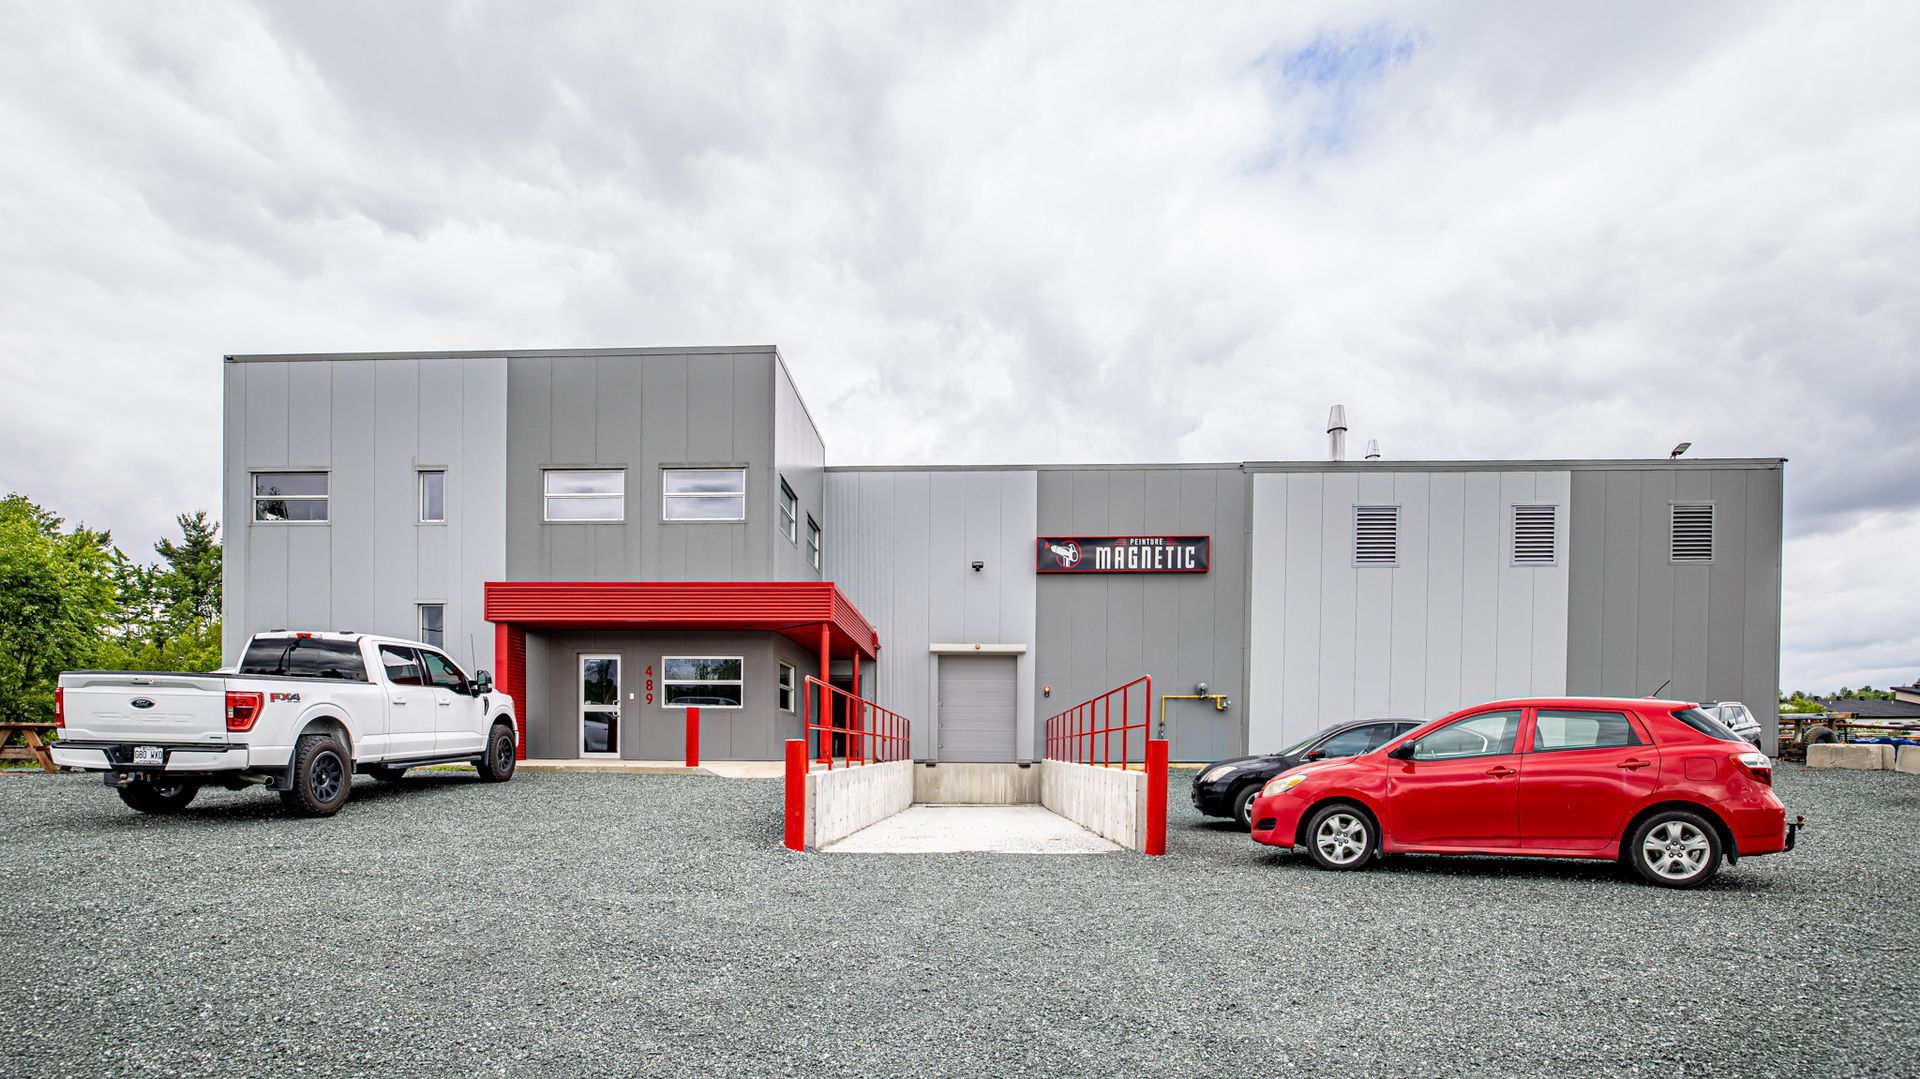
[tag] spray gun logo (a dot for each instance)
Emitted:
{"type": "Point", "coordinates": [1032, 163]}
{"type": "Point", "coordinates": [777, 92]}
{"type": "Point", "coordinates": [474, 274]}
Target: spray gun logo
{"type": "Point", "coordinates": [1067, 554]}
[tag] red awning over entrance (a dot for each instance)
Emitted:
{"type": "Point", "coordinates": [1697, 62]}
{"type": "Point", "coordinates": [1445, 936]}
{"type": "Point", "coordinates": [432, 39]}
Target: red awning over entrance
{"type": "Point", "coordinates": [795, 609]}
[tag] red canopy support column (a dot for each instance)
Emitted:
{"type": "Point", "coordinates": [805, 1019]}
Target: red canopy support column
{"type": "Point", "coordinates": [510, 676]}
{"type": "Point", "coordinates": [826, 698]}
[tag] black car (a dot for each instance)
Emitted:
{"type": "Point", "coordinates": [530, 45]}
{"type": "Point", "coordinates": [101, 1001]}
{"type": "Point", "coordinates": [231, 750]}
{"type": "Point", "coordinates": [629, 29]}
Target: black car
{"type": "Point", "coordinates": [1227, 788]}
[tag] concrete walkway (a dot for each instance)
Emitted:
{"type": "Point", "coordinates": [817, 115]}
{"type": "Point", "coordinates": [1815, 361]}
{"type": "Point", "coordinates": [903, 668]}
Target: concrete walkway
{"type": "Point", "coordinates": [948, 829]}
{"type": "Point", "coordinates": [723, 769]}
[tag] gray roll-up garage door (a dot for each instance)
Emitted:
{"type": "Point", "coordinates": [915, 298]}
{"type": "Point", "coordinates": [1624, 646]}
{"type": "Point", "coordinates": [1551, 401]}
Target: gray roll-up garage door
{"type": "Point", "coordinates": [976, 708]}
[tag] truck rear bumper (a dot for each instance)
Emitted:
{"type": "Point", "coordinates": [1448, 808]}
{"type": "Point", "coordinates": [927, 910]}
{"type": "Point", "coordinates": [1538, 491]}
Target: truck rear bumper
{"type": "Point", "coordinates": [118, 758]}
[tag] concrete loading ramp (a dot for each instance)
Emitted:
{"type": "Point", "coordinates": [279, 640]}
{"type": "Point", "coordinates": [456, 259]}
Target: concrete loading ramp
{"type": "Point", "coordinates": [1072, 801]}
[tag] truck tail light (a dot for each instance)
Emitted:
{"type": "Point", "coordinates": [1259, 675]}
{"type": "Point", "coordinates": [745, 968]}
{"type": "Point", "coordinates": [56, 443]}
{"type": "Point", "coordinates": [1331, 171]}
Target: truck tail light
{"type": "Point", "coordinates": [242, 710]}
{"type": "Point", "coordinates": [1757, 765]}
{"type": "Point", "coordinates": [59, 707]}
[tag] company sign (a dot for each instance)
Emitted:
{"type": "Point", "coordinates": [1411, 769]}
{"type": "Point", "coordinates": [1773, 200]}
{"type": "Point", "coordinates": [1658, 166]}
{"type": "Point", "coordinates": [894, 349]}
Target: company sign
{"type": "Point", "coordinates": [1121, 554]}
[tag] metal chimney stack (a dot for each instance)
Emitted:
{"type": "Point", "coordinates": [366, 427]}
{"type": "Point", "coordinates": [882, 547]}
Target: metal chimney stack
{"type": "Point", "coordinates": [1373, 449]}
{"type": "Point", "coordinates": [1337, 433]}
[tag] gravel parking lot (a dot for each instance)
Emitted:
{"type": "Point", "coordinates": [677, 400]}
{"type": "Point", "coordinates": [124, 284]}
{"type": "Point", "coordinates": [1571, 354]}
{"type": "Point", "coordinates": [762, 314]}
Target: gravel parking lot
{"type": "Point", "coordinates": [639, 925]}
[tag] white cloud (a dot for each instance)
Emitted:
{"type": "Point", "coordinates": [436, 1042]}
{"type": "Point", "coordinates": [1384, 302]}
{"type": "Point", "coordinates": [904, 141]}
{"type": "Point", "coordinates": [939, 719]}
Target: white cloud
{"type": "Point", "coordinates": [1002, 232]}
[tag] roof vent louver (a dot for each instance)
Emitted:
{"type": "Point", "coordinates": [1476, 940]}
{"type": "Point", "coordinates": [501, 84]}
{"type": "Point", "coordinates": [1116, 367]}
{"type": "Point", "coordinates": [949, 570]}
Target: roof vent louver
{"type": "Point", "coordinates": [1534, 529]}
{"type": "Point", "coordinates": [1376, 535]}
{"type": "Point", "coordinates": [1692, 532]}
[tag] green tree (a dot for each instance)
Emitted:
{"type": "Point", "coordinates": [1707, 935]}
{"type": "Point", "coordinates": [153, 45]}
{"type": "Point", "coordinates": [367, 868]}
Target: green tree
{"type": "Point", "coordinates": [168, 614]}
{"type": "Point", "coordinates": [57, 598]}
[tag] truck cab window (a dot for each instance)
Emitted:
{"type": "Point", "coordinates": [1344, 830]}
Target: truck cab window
{"type": "Point", "coordinates": [441, 672]}
{"type": "Point", "coordinates": [402, 665]}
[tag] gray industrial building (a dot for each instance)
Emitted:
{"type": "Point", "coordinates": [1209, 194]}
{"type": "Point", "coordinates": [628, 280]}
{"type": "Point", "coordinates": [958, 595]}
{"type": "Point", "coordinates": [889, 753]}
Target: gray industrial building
{"type": "Point", "coordinates": [619, 533]}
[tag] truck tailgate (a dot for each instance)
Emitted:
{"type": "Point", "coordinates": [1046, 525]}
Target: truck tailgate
{"type": "Point", "coordinates": [140, 707]}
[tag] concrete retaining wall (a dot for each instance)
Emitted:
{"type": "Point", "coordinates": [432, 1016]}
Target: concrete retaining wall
{"type": "Point", "coordinates": [1108, 802]}
{"type": "Point", "coordinates": [843, 801]}
{"type": "Point", "coordinates": [1843, 755]}
{"type": "Point", "coordinates": [976, 784]}
{"type": "Point", "coordinates": [1907, 760]}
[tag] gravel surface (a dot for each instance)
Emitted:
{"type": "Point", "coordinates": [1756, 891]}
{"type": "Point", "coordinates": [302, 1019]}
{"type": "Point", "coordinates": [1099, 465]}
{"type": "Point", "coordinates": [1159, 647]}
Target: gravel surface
{"type": "Point", "coordinates": [651, 925]}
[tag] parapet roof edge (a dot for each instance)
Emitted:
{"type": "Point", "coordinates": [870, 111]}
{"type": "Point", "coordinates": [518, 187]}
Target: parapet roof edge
{"type": "Point", "coordinates": [496, 353]}
{"type": "Point", "coordinates": [1619, 464]}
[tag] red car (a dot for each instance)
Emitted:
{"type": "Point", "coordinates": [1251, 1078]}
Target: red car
{"type": "Point", "coordinates": [1660, 784]}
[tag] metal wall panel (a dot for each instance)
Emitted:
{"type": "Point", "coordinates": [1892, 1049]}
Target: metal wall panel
{"type": "Point", "coordinates": [1098, 631]}
{"type": "Point", "coordinates": [1452, 623]}
{"type": "Point", "coordinates": [1712, 631]}
{"type": "Point", "coordinates": [800, 457]}
{"type": "Point", "coordinates": [371, 424]}
{"type": "Point", "coordinates": [643, 412]}
{"type": "Point", "coordinates": [901, 550]}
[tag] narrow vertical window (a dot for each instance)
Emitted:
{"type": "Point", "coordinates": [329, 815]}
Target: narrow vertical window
{"type": "Point", "coordinates": [433, 496]}
{"type": "Point", "coordinates": [813, 542]}
{"type": "Point", "coordinates": [789, 513]}
{"type": "Point", "coordinates": [788, 679]}
{"type": "Point", "coordinates": [433, 624]}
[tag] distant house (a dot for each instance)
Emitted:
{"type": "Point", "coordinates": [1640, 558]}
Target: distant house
{"type": "Point", "coordinates": [1902, 708]}
{"type": "Point", "coordinates": [1909, 694]}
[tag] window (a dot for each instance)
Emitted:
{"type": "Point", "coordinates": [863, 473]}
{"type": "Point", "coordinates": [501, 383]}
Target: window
{"type": "Point", "coordinates": [433, 624]}
{"type": "Point", "coordinates": [1490, 734]}
{"type": "Point", "coordinates": [1555, 728]}
{"type": "Point", "coordinates": [703, 494]}
{"type": "Point", "coordinates": [1376, 535]}
{"type": "Point", "coordinates": [402, 665]}
{"type": "Point", "coordinates": [707, 681]}
{"type": "Point", "coordinates": [289, 496]}
{"type": "Point", "coordinates": [788, 679]}
{"type": "Point", "coordinates": [1348, 743]}
{"type": "Point", "coordinates": [789, 513]}
{"type": "Point", "coordinates": [441, 672]}
{"type": "Point", "coordinates": [303, 657]}
{"type": "Point", "coordinates": [1707, 725]}
{"type": "Point", "coordinates": [1534, 529]}
{"type": "Point", "coordinates": [1691, 532]}
{"type": "Point", "coordinates": [813, 542]}
{"type": "Point", "coordinates": [586, 494]}
{"type": "Point", "coordinates": [433, 496]}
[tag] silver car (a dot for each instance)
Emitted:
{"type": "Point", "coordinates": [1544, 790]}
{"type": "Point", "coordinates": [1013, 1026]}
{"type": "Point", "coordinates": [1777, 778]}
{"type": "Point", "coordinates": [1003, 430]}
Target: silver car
{"type": "Point", "coordinates": [1737, 718]}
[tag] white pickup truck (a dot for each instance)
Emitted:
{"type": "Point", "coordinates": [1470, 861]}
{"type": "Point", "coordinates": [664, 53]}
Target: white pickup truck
{"type": "Point", "coordinates": [300, 714]}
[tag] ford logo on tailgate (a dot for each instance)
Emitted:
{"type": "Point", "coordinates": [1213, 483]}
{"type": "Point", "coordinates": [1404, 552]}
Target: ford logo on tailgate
{"type": "Point", "coordinates": [141, 702]}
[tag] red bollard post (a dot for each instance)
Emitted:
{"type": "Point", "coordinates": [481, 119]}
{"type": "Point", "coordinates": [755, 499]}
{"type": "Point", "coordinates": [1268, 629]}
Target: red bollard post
{"type": "Point", "coordinates": [1156, 796]}
{"type": "Point", "coordinates": [796, 794]}
{"type": "Point", "coordinates": [693, 736]}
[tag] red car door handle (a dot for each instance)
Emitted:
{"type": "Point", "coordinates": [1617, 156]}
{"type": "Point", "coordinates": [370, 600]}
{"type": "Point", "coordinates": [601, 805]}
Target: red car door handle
{"type": "Point", "coordinates": [1501, 771]}
{"type": "Point", "coordinates": [1634, 762]}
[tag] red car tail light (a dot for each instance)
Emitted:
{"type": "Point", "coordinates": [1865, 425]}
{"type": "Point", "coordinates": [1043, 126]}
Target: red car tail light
{"type": "Point", "coordinates": [1757, 765]}
{"type": "Point", "coordinates": [59, 707]}
{"type": "Point", "coordinates": [242, 710]}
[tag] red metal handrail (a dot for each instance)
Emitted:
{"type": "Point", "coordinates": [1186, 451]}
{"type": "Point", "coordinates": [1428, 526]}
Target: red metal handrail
{"type": "Point", "coordinates": [878, 734]}
{"type": "Point", "coordinates": [1083, 734]}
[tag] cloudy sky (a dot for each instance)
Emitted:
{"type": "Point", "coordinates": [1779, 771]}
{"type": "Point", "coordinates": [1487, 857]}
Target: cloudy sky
{"type": "Point", "coordinates": [995, 232]}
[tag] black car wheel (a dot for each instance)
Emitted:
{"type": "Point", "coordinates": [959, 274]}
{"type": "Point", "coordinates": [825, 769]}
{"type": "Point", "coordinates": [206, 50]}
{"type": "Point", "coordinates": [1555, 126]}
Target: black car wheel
{"type": "Point", "coordinates": [321, 776]}
{"type": "Point", "coordinates": [496, 765]}
{"type": "Point", "coordinates": [1243, 805]}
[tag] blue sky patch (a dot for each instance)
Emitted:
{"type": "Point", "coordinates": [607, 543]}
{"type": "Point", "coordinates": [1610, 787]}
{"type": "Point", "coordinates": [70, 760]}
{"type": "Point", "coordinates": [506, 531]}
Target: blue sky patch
{"type": "Point", "coordinates": [1332, 72]}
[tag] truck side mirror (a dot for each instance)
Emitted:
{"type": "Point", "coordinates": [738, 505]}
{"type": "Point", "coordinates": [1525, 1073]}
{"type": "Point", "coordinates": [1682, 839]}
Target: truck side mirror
{"type": "Point", "coordinates": [482, 683]}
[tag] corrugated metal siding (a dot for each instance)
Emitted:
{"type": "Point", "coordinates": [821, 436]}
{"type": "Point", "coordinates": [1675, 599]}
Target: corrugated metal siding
{"type": "Point", "coordinates": [371, 425]}
{"type": "Point", "coordinates": [767, 605]}
{"type": "Point", "coordinates": [902, 548]}
{"type": "Point", "coordinates": [1638, 619]}
{"type": "Point", "coordinates": [1453, 622]}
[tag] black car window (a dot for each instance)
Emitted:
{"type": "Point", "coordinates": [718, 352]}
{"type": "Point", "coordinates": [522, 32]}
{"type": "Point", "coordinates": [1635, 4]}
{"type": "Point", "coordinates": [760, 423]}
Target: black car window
{"type": "Point", "coordinates": [1706, 724]}
{"type": "Point", "coordinates": [1348, 743]}
{"type": "Point", "coordinates": [403, 666]}
{"type": "Point", "coordinates": [1560, 728]}
{"type": "Point", "coordinates": [441, 672]}
{"type": "Point", "coordinates": [303, 657]}
{"type": "Point", "coordinates": [1489, 734]}
{"type": "Point", "coordinates": [1379, 734]}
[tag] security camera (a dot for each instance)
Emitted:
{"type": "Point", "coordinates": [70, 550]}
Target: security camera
{"type": "Point", "coordinates": [978, 565]}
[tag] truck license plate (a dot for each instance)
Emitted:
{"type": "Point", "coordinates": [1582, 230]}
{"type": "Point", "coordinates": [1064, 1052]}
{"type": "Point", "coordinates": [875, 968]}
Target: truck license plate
{"type": "Point", "coordinates": [149, 755]}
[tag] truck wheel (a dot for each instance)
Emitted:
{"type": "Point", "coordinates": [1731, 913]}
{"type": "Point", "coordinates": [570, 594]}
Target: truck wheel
{"type": "Point", "coordinates": [321, 776]}
{"type": "Point", "coordinates": [496, 764]}
{"type": "Point", "coordinates": [388, 773]}
{"type": "Point", "coordinates": [149, 797]}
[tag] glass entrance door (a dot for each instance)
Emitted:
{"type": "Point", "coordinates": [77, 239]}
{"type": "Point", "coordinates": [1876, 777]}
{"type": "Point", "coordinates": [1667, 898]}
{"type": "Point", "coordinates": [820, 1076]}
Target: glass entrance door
{"type": "Point", "coordinates": [600, 706]}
